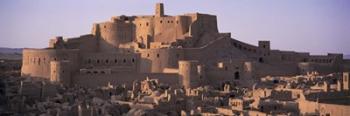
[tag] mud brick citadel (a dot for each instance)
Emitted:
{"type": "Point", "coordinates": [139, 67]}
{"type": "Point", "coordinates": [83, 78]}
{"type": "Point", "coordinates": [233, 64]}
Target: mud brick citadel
{"type": "Point", "coordinates": [182, 51]}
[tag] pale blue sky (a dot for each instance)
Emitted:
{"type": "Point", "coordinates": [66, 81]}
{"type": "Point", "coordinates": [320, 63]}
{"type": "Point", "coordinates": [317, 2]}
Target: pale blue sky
{"type": "Point", "coordinates": [316, 26]}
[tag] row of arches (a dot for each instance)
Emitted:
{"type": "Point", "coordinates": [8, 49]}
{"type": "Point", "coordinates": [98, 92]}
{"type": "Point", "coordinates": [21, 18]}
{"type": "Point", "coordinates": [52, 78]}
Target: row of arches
{"type": "Point", "coordinates": [321, 60]}
{"type": "Point", "coordinates": [242, 47]}
{"type": "Point", "coordinates": [41, 60]}
{"type": "Point", "coordinates": [111, 61]}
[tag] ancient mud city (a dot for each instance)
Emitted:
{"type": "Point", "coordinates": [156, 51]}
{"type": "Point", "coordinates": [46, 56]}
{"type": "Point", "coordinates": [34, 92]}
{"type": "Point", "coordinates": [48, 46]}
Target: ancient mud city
{"type": "Point", "coordinates": [174, 65]}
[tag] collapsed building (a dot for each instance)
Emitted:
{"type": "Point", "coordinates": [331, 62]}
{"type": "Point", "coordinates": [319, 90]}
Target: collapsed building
{"type": "Point", "coordinates": [183, 51]}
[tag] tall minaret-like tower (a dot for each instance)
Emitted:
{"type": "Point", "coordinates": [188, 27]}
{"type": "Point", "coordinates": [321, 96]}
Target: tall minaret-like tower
{"type": "Point", "coordinates": [159, 10]}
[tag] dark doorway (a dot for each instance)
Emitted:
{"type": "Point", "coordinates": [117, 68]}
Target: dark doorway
{"type": "Point", "coordinates": [261, 60]}
{"type": "Point", "coordinates": [236, 75]}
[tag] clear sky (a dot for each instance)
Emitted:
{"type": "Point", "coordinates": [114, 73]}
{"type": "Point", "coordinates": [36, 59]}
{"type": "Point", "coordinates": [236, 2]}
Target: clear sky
{"type": "Point", "coordinates": [316, 26]}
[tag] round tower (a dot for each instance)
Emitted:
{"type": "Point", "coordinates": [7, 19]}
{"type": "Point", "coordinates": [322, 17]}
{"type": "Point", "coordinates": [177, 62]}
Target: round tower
{"type": "Point", "coordinates": [188, 73]}
{"type": "Point", "coordinates": [60, 72]}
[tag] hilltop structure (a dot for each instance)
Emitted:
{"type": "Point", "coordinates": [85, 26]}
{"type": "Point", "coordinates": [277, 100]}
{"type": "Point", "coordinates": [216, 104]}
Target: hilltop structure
{"type": "Point", "coordinates": [183, 51]}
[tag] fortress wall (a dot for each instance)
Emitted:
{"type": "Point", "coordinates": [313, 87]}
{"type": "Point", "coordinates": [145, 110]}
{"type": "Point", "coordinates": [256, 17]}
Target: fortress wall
{"type": "Point", "coordinates": [236, 72]}
{"type": "Point", "coordinates": [114, 33]}
{"type": "Point", "coordinates": [188, 74]}
{"type": "Point", "coordinates": [346, 65]}
{"type": "Point", "coordinates": [85, 43]}
{"type": "Point", "coordinates": [289, 56]}
{"type": "Point", "coordinates": [322, 68]}
{"type": "Point", "coordinates": [144, 30]}
{"type": "Point", "coordinates": [225, 72]}
{"type": "Point", "coordinates": [165, 29]}
{"type": "Point", "coordinates": [60, 72]}
{"type": "Point", "coordinates": [95, 80]}
{"type": "Point", "coordinates": [280, 69]}
{"type": "Point", "coordinates": [202, 24]}
{"type": "Point", "coordinates": [208, 23]}
{"type": "Point", "coordinates": [155, 60]}
{"type": "Point", "coordinates": [116, 61]}
{"type": "Point", "coordinates": [324, 108]}
{"type": "Point", "coordinates": [250, 50]}
{"type": "Point", "coordinates": [182, 26]}
{"type": "Point", "coordinates": [36, 62]}
{"type": "Point", "coordinates": [217, 50]}
{"type": "Point", "coordinates": [321, 59]}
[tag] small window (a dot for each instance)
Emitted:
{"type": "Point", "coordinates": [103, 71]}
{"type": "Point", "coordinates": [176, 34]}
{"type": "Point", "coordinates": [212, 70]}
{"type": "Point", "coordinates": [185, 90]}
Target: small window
{"type": "Point", "coordinates": [161, 21]}
{"type": "Point", "coordinates": [147, 55]}
{"type": "Point", "coordinates": [115, 61]}
{"type": "Point", "coordinates": [157, 55]}
{"type": "Point", "coordinates": [133, 60]}
{"type": "Point", "coordinates": [177, 22]}
{"type": "Point", "coordinates": [98, 61]}
{"type": "Point", "coordinates": [146, 24]}
{"type": "Point", "coordinates": [124, 60]}
{"type": "Point", "coordinates": [107, 61]}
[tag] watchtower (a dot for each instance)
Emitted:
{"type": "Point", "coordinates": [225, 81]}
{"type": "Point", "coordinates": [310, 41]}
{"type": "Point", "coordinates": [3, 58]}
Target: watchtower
{"type": "Point", "coordinates": [346, 82]}
{"type": "Point", "coordinates": [264, 44]}
{"type": "Point", "coordinates": [189, 74]}
{"type": "Point", "coordinates": [159, 10]}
